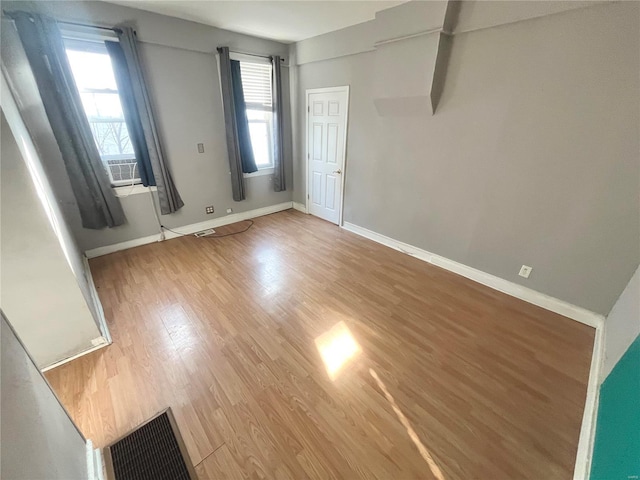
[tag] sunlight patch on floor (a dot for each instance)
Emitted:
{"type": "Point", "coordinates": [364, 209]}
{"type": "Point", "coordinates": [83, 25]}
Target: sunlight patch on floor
{"type": "Point", "coordinates": [337, 347]}
{"type": "Point", "coordinates": [412, 434]}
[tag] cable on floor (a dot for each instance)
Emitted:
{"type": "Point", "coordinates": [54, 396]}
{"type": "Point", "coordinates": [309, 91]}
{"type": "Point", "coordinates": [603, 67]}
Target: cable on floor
{"type": "Point", "coordinates": [212, 235]}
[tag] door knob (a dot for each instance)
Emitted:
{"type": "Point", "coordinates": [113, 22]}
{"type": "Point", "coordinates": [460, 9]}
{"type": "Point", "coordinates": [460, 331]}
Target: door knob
{"type": "Point", "coordinates": [339, 172]}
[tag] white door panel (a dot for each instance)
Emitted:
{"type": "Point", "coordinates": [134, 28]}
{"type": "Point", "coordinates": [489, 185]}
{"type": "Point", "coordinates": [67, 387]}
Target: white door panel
{"type": "Point", "coordinates": [326, 139]}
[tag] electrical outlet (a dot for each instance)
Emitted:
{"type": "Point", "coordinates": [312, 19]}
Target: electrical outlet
{"type": "Point", "coordinates": [201, 148]}
{"type": "Point", "coordinates": [525, 271]}
{"type": "Point", "coordinates": [209, 209]}
{"type": "Point", "coordinates": [229, 210]}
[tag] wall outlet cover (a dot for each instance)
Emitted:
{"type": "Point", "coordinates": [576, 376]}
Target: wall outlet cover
{"type": "Point", "coordinates": [525, 271]}
{"type": "Point", "coordinates": [201, 148]}
{"type": "Point", "coordinates": [229, 210]}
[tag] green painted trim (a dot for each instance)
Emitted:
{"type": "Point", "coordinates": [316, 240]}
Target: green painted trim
{"type": "Point", "coordinates": [616, 452]}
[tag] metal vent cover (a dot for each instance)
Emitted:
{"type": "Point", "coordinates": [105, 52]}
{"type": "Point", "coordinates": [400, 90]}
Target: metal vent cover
{"type": "Point", "coordinates": [153, 451]}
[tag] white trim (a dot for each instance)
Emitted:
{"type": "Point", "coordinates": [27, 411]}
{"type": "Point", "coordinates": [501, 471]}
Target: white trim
{"type": "Point", "coordinates": [126, 190]}
{"type": "Point", "coordinates": [98, 343]}
{"type": "Point", "coordinates": [136, 242]}
{"type": "Point", "coordinates": [91, 468]}
{"type": "Point", "coordinates": [438, 30]}
{"type": "Point", "coordinates": [338, 88]}
{"type": "Point", "coordinates": [102, 321]}
{"type": "Point", "coordinates": [309, 91]}
{"type": "Point", "coordinates": [87, 33]}
{"type": "Point", "coordinates": [189, 229]}
{"type": "Point", "coordinates": [547, 302]}
{"type": "Point", "coordinates": [95, 465]}
{"type": "Point", "coordinates": [588, 429]}
{"type": "Point", "coordinates": [586, 440]}
{"type": "Point", "coordinates": [260, 172]}
{"type": "Point", "coordinates": [99, 463]}
{"type": "Point", "coordinates": [301, 207]}
{"type": "Point", "coordinates": [249, 57]}
{"type": "Point", "coordinates": [306, 150]}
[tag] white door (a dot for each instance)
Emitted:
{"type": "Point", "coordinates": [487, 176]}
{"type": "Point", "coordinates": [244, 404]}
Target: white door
{"type": "Point", "coordinates": [326, 141]}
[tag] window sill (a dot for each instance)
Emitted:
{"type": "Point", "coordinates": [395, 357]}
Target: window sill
{"type": "Point", "coordinates": [126, 190]}
{"type": "Point", "coordinates": [259, 173]}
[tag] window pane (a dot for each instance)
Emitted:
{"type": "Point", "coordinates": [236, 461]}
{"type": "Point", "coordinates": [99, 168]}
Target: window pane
{"type": "Point", "coordinates": [93, 73]}
{"type": "Point", "coordinates": [260, 141]}
{"type": "Point", "coordinates": [259, 115]}
{"type": "Point", "coordinates": [102, 105]}
{"type": "Point", "coordinates": [112, 137]}
{"type": "Point", "coordinates": [92, 70]}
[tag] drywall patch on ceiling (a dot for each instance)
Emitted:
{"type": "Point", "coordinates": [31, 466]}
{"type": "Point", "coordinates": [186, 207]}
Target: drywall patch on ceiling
{"type": "Point", "coordinates": [283, 21]}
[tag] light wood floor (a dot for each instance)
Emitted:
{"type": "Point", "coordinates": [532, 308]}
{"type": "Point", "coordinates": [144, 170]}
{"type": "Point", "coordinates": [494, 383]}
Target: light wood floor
{"type": "Point", "coordinates": [425, 374]}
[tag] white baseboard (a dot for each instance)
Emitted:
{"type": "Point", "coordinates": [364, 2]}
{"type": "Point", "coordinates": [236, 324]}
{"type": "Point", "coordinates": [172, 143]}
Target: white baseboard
{"type": "Point", "coordinates": [301, 207]}
{"type": "Point", "coordinates": [98, 343]}
{"type": "Point", "coordinates": [95, 465]}
{"type": "Point", "coordinates": [189, 229]}
{"type": "Point", "coordinates": [547, 302]}
{"type": "Point", "coordinates": [587, 431]}
{"type": "Point", "coordinates": [116, 247]}
{"type": "Point", "coordinates": [584, 455]}
{"type": "Point", "coordinates": [102, 321]}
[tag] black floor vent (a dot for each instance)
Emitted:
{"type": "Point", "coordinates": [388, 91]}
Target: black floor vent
{"type": "Point", "coordinates": [153, 451]}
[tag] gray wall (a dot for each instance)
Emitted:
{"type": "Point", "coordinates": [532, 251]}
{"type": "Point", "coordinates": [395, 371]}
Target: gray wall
{"type": "Point", "coordinates": [183, 79]}
{"type": "Point", "coordinates": [38, 441]}
{"type": "Point", "coordinates": [531, 158]}
{"type": "Point", "coordinates": [44, 289]}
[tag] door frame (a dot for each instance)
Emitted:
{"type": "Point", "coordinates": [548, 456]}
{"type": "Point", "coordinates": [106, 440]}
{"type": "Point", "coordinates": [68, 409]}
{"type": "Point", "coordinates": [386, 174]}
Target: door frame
{"type": "Point", "coordinates": [308, 92]}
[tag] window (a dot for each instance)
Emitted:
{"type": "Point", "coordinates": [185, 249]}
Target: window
{"type": "Point", "coordinates": [256, 83]}
{"type": "Point", "coordinates": [91, 67]}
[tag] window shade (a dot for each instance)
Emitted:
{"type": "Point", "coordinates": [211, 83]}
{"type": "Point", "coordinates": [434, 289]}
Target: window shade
{"type": "Point", "coordinates": [256, 83]}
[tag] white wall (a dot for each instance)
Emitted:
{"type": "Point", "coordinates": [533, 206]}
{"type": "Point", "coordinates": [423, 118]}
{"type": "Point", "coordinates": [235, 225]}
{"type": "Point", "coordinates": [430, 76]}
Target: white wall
{"type": "Point", "coordinates": [622, 326]}
{"type": "Point", "coordinates": [66, 240]}
{"type": "Point", "coordinates": [41, 271]}
{"type": "Point", "coordinates": [530, 158]}
{"type": "Point", "coordinates": [38, 441]}
{"type": "Point", "coordinates": [180, 60]}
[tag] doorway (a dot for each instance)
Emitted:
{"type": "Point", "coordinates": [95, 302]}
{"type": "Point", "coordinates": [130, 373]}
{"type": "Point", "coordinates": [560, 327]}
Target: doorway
{"type": "Point", "coordinates": [327, 116]}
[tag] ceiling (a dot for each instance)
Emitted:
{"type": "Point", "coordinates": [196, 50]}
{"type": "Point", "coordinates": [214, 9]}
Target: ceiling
{"type": "Point", "coordinates": [284, 21]}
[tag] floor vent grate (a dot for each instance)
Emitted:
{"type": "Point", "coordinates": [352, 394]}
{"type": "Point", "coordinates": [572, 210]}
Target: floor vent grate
{"type": "Point", "coordinates": [153, 451]}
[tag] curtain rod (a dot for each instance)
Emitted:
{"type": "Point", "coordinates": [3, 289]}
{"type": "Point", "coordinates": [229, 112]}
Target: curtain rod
{"type": "Point", "coordinates": [99, 27]}
{"type": "Point", "coordinates": [7, 15]}
{"type": "Point", "coordinates": [254, 54]}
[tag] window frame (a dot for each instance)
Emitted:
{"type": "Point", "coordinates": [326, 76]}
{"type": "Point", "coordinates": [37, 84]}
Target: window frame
{"type": "Point", "coordinates": [82, 38]}
{"type": "Point", "coordinates": [270, 168]}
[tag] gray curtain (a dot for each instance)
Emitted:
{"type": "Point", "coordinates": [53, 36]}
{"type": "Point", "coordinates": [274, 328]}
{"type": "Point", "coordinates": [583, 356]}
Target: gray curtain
{"type": "Point", "coordinates": [245, 146]}
{"type": "Point", "coordinates": [279, 184]}
{"type": "Point", "coordinates": [43, 44]}
{"type": "Point", "coordinates": [168, 195]}
{"type": "Point", "coordinates": [239, 148]}
{"type": "Point", "coordinates": [131, 114]}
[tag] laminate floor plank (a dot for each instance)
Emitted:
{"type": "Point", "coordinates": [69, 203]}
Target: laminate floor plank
{"type": "Point", "coordinates": [297, 350]}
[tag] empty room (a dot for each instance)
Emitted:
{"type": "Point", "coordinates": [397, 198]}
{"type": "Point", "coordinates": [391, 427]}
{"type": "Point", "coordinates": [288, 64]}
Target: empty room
{"type": "Point", "coordinates": [320, 240]}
